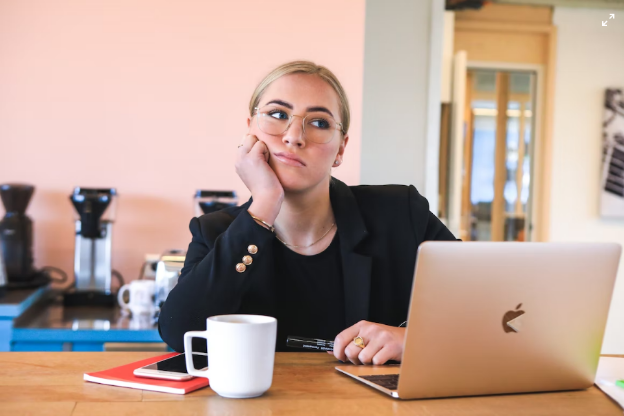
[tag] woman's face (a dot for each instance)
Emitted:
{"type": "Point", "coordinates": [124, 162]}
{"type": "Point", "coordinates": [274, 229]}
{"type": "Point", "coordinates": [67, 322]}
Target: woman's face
{"type": "Point", "coordinates": [299, 163]}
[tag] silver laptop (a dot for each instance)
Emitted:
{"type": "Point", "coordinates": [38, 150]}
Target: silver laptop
{"type": "Point", "coordinates": [494, 318]}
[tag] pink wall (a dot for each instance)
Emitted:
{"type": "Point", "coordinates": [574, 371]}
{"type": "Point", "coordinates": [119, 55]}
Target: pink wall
{"type": "Point", "coordinates": [150, 97]}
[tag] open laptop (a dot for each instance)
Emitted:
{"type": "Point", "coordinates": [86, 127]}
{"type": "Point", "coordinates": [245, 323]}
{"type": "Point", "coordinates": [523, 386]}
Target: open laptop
{"type": "Point", "coordinates": [494, 318]}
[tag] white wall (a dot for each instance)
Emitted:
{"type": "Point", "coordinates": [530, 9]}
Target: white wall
{"type": "Point", "coordinates": [590, 58]}
{"type": "Point", "coordinates": [401, 107]}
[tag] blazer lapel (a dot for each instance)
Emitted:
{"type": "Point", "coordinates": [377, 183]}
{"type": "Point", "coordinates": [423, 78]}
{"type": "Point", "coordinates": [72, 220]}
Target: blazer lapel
{"type": "Point", "coordinates": [356, 268]}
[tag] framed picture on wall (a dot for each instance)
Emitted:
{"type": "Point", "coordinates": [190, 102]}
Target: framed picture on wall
{"type": "Point", "coordinates": [612, 189]}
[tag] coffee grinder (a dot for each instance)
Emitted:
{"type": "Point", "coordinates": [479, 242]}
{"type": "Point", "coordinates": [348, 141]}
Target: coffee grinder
{"type": "Point", "coordinates": [16, 240]}
{"type": "Point", "coordinates": [95, 211]}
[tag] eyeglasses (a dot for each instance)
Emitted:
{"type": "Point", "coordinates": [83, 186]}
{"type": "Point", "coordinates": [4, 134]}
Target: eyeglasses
{"type": "Point", "coordinates": [318, 127]}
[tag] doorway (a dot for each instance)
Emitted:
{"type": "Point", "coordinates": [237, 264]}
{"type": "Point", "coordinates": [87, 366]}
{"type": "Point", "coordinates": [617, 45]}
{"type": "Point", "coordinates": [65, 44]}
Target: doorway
{"type": "Point", "coordinates": [491, 155]}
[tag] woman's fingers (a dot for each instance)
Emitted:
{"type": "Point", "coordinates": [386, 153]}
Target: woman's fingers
{"type": "Point", "coordinates": [248, 142]}
{"type": "Point", "coordinates": [253, 147]}
{"type": "Point", "coordinates": [352, 352]}
{"type": "Point", "coordinates": [344, 338]}
{"type": "Point", "coordinates": [384, 355]}
{"type": "Point", "coordinates": [370, 351]}
{"type": "Point", "coordinates": [382, 343]}
{"type": "Point", "coordinates": [260, 149]}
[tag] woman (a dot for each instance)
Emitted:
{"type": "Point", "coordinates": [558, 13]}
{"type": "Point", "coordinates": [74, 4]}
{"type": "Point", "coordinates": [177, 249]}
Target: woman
{"type": "Point", "coordinates": [327, 260]}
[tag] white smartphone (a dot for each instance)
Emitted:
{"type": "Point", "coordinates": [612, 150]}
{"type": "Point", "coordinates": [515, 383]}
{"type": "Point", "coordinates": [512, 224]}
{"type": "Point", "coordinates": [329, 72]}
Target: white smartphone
{"type": "Point", "coordinates": [173, 368]}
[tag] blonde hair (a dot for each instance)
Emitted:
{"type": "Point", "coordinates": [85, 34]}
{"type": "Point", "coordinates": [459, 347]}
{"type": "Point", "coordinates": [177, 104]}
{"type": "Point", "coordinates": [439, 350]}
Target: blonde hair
{"type": "Point", "coordinates": [310, 68]}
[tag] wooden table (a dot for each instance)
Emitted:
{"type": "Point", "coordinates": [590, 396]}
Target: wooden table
{"type": "Point", "coordinates": [50, 383]}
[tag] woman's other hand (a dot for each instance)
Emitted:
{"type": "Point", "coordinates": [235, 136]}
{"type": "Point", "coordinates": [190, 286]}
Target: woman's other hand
{"type": "Point", "coordinates": [253, 168]}
{"type": "Point", "coordinates": [382, 343]}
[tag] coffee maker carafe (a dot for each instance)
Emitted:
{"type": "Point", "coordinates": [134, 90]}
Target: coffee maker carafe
{"type": "Point", "coordinates": [95, 211]}
{"type": "Point", "coordinates": [16, 239]}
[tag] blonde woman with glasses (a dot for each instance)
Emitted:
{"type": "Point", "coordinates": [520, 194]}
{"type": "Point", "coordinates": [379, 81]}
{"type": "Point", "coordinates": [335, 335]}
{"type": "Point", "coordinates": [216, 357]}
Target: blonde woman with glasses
{"type": "Point", "coordinates": [328, 260]}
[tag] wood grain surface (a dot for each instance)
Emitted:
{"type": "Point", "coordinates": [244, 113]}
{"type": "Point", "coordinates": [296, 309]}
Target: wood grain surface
{"type": "Point", "coordinates": [50, 383]}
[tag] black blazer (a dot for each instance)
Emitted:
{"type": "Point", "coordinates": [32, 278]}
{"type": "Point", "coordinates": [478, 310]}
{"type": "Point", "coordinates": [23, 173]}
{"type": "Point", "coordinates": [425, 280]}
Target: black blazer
{"type": "Point", "coordinates": [380, 228]}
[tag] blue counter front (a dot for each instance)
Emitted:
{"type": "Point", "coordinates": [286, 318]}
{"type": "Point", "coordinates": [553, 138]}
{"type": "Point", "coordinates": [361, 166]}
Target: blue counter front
{"type": "Point", "coordinates": [13, 303]}
{"type": "Point", "coordinates": [45, 325]}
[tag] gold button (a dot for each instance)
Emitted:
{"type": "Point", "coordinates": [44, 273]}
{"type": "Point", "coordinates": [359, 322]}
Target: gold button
{"type": "Point", "coordinates": [252, 249]}
{"type": "Point", "coordinates": [240, 267]}
{"type": "Point", "coordinates": [247, 260]}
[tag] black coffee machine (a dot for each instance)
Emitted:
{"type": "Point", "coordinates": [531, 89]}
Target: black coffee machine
{"type": "Point", "coordinates": [16, 239]}
{"type": "Point", "coordinates": [94, 218]}
{"type": "Point", "coordinates": [210, 201]}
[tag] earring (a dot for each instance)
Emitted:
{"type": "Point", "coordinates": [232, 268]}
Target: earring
{"type": "Point", "coordinates": [336, 163]}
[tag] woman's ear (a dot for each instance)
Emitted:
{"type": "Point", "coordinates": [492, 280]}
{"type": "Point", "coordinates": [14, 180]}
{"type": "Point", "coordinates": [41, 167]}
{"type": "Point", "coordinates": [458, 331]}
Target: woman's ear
{"type": "Point", "coordinates": [248, 122]}
{"type": "Point", "coordinates": [343, 145]}
{"type": "Point", "coordinates": [341, 150]}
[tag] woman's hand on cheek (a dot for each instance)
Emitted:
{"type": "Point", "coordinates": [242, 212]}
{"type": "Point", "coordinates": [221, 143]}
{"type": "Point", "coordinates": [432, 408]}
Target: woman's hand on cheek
{"type": "Point", "coordinates": [253, 168]}
{"type": "Point", "coordinates": [382, 343]}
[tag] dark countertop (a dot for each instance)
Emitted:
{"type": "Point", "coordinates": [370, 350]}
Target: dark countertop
{"type": "Point", "coordinates": [49, 313]}
{"type": "Point", "coordinates": [14, 302]}
{"type": "Point", "coordinates": [49, 321]}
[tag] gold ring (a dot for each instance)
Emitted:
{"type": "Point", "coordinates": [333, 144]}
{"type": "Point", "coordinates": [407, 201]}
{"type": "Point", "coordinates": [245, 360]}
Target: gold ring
{"type": "Point", "coordinates": [359, 341]}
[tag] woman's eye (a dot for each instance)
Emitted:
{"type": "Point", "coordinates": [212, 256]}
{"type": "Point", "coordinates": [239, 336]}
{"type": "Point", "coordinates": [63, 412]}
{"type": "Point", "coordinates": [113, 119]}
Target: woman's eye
{"type": "Point", "coordinates": [319, 123]}
{"type": "Point", "coordinates": [280, 115]}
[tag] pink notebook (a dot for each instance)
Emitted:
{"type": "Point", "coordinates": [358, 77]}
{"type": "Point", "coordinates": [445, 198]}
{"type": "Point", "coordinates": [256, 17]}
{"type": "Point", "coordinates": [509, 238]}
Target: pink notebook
{"type": "Point", "coordinates": [123, 377]}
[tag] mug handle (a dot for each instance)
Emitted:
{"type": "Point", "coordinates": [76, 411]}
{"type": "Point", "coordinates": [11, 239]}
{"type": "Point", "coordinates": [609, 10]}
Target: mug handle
{"type": "Point", "coordinates": [188, 353]}
{"type": "Point", "coordinates": [120, 298]}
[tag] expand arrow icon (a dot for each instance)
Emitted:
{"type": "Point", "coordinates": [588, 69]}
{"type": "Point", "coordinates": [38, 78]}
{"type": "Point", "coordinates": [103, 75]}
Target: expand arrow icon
{"type": "Point", "coordinates": [612, 16]}
{"type": "Point", "coordinates": [604, 23]}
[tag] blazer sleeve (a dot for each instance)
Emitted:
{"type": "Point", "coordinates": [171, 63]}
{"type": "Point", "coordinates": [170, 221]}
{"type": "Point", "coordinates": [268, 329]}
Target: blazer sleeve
{"type": "Point", "coordinates": [425, 224]}
{"type": "Point", "coordinates": [209, 283]}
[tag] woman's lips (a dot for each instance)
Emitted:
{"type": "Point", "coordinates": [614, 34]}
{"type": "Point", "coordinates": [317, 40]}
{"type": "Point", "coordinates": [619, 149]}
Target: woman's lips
{"type": "Point", "coordinates": [289, 159]}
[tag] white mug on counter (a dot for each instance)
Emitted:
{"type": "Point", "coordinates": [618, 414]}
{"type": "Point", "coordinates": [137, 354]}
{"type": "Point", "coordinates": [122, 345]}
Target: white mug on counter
{"type": "Point", "coordinates": [241, 353]}
{"type": "Point", "coordinates": [141, 295]}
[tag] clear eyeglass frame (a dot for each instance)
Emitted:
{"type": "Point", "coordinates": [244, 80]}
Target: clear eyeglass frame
{"type": "Point", "coordinates": [290, 120]}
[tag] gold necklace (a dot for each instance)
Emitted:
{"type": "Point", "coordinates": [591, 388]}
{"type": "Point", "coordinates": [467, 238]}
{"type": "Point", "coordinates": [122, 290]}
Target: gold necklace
{"type": "Point", "coordinates": [294, 246]}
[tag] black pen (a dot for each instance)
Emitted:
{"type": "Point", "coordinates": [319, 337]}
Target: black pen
{"type": "Point", "coordinates": [309, 343]}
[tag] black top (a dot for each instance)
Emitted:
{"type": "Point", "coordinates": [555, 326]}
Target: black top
{"type": "Point", "coordinates": [379, 230]}
{"type": "Point", "coordinates": [310, 294]}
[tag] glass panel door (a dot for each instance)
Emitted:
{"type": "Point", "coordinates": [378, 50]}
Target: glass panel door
{"type": "Point", "coordinates": [497, 161]}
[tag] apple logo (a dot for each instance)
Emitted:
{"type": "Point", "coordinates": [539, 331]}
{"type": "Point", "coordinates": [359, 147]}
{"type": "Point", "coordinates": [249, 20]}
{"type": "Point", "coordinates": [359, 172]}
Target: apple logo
{"type": "Point", "coordinates": [508, 320]}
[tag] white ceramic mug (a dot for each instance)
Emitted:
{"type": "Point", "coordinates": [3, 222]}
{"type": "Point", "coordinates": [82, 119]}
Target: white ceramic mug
{"type": "Point", "coordinates": [141, 295]}
{"type": "Point", "coordinates": [241, 352]}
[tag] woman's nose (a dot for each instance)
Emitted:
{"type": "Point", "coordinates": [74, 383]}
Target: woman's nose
{"type": "Point", "coordinates": [294, 134]}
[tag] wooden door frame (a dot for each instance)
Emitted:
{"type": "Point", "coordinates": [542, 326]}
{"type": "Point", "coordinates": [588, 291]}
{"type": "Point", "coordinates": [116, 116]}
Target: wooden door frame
{"type": "Point", "coordinates": [542, 164]}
